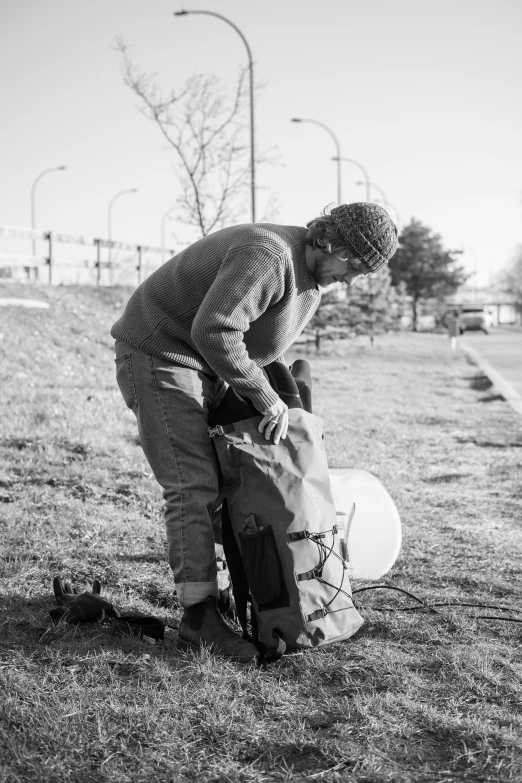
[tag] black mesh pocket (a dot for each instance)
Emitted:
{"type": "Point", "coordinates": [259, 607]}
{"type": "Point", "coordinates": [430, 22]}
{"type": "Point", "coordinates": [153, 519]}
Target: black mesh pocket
{"type": "Point", "coordinates": [263, 569]}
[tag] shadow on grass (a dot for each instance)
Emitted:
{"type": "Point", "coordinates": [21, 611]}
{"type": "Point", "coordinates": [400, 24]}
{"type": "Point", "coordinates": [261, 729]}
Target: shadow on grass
{"type": "Point", "coordinates": [445, 478]}
{"type": "Point", "coordinates": [301, 759]}
{"type": "Point", "coordinates": [27, 628]}
{"type": "Point", "coordinates": [24, 621]}
{"type": "Point", "coordinates": [146, 557]}
{"type": "Point", "coordinates": [480, 383]}
{"type": "Point", "coordinates": [14, 604]}
{"type": "Point", "coordinates": [492, 444]}
{"type": "Point", "coordinates": [79, 450]}
{"type": "Point", "coordinates": [492, 398]}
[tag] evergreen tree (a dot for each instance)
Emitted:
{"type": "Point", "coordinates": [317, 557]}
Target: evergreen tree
{"type": "Point", "coordinates": [424, 267]}
{"type": "Point", "coordinates": [371, 306]}
{"type": "Point", "coordinates": [374, 306]}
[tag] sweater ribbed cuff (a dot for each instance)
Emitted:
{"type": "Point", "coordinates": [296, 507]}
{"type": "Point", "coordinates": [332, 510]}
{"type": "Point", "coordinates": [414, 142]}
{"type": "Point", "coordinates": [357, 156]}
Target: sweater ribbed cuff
{"type": "Point", "coordinates": [263, 398]}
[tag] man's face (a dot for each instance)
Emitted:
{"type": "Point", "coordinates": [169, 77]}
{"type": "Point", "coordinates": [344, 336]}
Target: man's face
{"type": "Point", "coordinates": [333, 268]}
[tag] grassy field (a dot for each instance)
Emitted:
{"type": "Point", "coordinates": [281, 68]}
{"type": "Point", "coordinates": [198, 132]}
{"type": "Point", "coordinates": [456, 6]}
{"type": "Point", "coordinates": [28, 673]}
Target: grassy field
{"type": "Point", "coordinates": [412, 697]}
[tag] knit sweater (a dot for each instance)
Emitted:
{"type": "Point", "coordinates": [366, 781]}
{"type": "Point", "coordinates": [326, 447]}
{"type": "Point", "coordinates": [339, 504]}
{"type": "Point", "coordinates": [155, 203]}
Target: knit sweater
{"type": "Point", "coordinates": [227, 305]}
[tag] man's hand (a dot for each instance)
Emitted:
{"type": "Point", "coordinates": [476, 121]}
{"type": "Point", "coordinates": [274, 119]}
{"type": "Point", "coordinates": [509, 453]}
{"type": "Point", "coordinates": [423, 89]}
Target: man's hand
{"type": "Point", "coordinates": [275, 421]}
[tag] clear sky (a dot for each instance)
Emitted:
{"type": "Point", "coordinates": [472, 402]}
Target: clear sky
{"type": "Point", "coordinates": [425, 94]}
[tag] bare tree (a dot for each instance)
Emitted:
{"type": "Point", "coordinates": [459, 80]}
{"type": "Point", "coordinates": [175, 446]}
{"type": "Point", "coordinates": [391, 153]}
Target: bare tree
{"type": "Point", "coordinates": [206, 129]}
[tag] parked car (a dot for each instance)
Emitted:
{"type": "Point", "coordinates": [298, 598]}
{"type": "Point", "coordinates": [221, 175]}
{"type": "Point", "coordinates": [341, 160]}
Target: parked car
{"type": "Point", "coordinates": [474, 317]}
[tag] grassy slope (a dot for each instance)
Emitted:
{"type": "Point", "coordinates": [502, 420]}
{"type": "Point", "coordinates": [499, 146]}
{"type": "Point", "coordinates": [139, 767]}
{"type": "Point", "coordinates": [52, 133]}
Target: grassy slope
{"type": "Point", "coordinates": [409, 698]}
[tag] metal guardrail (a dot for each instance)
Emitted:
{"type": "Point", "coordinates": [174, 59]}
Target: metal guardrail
{"type": "Point", "coordinates": [22, 232]}
{"type": "Point", "coordinates": [30, 261]}
{"type": "Point", "coordinates": [16, 259]}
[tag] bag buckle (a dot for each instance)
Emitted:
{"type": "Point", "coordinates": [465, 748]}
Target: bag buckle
{"type": "Point", "coordinates": [318, 614]}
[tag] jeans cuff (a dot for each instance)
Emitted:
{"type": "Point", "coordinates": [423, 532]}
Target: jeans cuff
{"type": "Point", "coordinates": [190, 593]}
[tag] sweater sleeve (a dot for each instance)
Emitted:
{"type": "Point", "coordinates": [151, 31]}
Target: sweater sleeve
{"type": "Point", "coordinates": [251, 279]}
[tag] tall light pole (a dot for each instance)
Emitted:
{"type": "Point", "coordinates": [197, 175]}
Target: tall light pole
{"type": "Point", "coordinates": [386, 201]}
{"type": "Point", "coordinates": [33, 208]}
{"type": "Point", "coordinates": [109, 214]}
{"type": "Point", "coordinates": [337, 147]}
{"type": "Point", "coordinates": [398, 218]}
{"type": "Point", "coordinates": [251, 71]}
{"type": "Point", "coordinates": [364, 172]}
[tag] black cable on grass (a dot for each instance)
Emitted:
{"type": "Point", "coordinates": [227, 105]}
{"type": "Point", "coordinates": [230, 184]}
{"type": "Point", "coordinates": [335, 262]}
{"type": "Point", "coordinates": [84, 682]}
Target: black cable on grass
{"type": "Point", "coordinates": [431, 609]}
{"type": "Point", "coordinates": [400, 590]}
{"type": "Point", "coordinates": [471, 617]}
{"type": "Point", "coordinates": [460, 603]}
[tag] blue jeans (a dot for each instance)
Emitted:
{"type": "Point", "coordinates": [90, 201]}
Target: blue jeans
{"type": "Point", "coordinates": [171, 405]}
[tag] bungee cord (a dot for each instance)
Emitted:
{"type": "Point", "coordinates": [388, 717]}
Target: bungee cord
{"type": "Point", "coordinates": [318, 570]}
{"type": "Point", "coordinates": [325, 551]}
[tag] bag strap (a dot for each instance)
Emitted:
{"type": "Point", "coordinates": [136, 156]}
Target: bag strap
{"type": "Point", "coordinates": [273, 653]}
{"type": "Point", "coordinates": [235, 566]}
{"type": "Point", "coordinates": [242, 595]}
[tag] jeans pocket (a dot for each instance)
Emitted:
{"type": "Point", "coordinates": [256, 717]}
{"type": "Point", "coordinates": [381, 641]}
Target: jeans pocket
{"type": "Point", "coordinates": [263, 569]}
{"type": "Point", "coordinates": [125, 380]}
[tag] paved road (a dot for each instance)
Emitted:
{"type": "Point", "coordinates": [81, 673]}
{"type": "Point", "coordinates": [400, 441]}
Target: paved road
{"type": "Point", "coordinates": [502, 351]}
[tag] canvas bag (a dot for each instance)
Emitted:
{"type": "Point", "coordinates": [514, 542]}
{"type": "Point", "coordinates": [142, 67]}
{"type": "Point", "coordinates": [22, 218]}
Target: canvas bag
{"type": "Point", "coordinates": [287, 530]}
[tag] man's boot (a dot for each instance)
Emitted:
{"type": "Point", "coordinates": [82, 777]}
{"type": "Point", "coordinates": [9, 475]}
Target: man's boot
{"type": "Point", "coordinates": [202, 624]}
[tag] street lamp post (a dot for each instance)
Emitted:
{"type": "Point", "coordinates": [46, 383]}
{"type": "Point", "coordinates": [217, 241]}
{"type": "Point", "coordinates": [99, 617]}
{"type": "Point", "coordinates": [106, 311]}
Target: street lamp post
{"type": "Point", "coordinates": [398, 218]}
{"type": "Point", "coordinates": [109, 215]}
{"type": "Point", "coordinates": [251, 71]}
{"type": "Point", "coordinates": [386, 201]}
{"type": "Point", "coordinates": [33, 207]}
{"type": "Point", "coordinates": [337, 147]}
{"type": "Point", "coordinates": [364, 172]}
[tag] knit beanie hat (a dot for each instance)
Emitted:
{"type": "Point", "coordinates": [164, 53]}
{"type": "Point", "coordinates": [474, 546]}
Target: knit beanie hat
{"type": "Point", "coordinates": [368, 231]}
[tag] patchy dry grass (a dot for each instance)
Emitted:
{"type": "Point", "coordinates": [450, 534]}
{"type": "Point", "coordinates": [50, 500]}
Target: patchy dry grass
{"type": "Point", "coordinates": [412, 697]}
